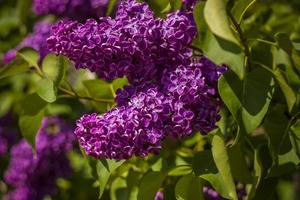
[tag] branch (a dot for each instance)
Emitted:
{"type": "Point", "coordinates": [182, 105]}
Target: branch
{"type": "Point", "coordinates": [242, 37]}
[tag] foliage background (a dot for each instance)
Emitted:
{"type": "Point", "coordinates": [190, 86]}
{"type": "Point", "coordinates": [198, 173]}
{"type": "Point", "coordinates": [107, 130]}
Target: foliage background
{"type": "Point", "coordinates": [258, 139]}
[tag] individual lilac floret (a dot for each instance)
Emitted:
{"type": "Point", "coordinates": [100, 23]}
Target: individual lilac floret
{"type": "Point", "coordinates": [135, 129]}
{"type": "Point", "coordinates": [9, 56]}
{"type": "Point", "coordinates": [34, 175]}
{"type": "Point", "coordinates": [134, 44]}
{"type": "Point", "coordinates": [35, 40]}
{"type": "Point", "coordinates": [159, 196]}
{"type": "Point", "coordinates": [73, 9]}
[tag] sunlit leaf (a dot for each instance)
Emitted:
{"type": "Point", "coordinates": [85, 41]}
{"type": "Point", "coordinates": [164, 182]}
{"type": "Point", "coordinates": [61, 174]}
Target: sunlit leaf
{"type": "Point", "coordinates": [217, 20]}
{"type": "Point", "coordinates": [189, 188]}
{"type": "Point", "coordinates": [45, 89]}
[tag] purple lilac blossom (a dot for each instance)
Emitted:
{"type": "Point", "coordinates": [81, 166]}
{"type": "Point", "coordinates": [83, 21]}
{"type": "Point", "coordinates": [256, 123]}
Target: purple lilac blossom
{"type": "Point", "coordinates": [73, 9]}
{"type": "Point", "coordinates": [135, 129]}
{"type": "Point", "coordinates": [134, 44]}
{"type": "Point", "coordinates": [35, 40]}
{"type": "Point", "coordinates": [34, 175]}
{"type": "Point", "coordinates": [185, 100]}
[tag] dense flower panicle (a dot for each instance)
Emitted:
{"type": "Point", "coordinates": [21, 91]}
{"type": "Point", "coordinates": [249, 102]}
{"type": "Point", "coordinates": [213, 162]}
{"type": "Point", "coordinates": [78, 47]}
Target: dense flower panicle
{"type": "Point", "coordinates": [35, 40]}
{"type": "Point", "coordinates": [134, 44]}
{"type": "Point", "coordinates": [183, 101]}
{"type": "Point", "coordinates": [35, 175]}
{"type": "Point", "coordinates": [74, 9]}
{"type": "Point", "coordinates": [135, 129]}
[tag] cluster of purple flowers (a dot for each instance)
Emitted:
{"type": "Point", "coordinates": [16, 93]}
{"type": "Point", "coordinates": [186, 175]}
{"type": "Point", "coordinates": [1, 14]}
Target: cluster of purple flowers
{"type": "Point", "coordinates": [74, 9]}
{"type": "Point", "coordinates": [134, 44]}
{"type": "Point", "coordinates": [35, 40]}
{"type": "Point", "coordinates": [33, 175]}
{"type": "Point", "coordinates": [170, 93]}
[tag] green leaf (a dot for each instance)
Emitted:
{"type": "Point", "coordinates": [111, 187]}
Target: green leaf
{"type": "Point", "coordinates": [14, 68]}
{"type": "Point", "coordinates": [222, 162]}
{"type": "Point", "coordinates": [284, 42]}
{"type": "Point", "coordinates": [118, 190]}
{"type": "Point", "coordinates": [286, 89]}
{"type": "Point", "coordinates": [175, 4]}
{"type": "Point", "coordinates": [30, 56]}
{"type": "Point", "coordinates": [276, 126]}
{"type": "Point", "coordinates": [217, 182]}
{"type": "Point", "coordinates": [248, 100]}
{"type": "Point", "coordinates": [203, 163]}
{"type": "Point", "coordinates": [295, 137]}
{"type": "Point", "coordinates": [240, 7]}
{"type": "Point", "coordinates": [99, 89]}
{"type": "Point", "coordinates": [104, 169]}
{"type": "Point", "coordinates": [189, 188]}
{"type": "Point", "coordinates": [32, 113]}
{"type": "Point", "coordinates": [32, 104]}
{"type": "Point", "coordinates": [266, 189]}
{"type": "Point", "coordinates": [160, 7]}
{"type": "Point", "coordinates": [198, 13]}
{"type": "Point", "coordinates": [6, 101]}
{"type": "Point", "coordinates": [29, 125]}
{"type": "Point", "coordinates": [45, 89]}
{"type": "Point", "coordinates": [238, 164]}
{"type": "Point", "coordinates": [119, 83]}
{"type": "Point", "coordinates": [223, 52]}
{"type": "Point", "coordinates": [258, 172]}
{"type": "Point", "coordinates": [111, 6]}
{"type": "Point", "coordinates": [150, 184]}
{"type": "Point", "coordinates": [217, 20]}
{"type": "Point", "coordinates": [180, 170]}
{"type": "Point", "coordinates": [54, 67]}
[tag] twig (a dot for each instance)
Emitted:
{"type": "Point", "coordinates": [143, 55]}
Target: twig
{"type": "Point", "coordinates": [242, 37]}
{"type": "Point", "coordinates": [75, 95]}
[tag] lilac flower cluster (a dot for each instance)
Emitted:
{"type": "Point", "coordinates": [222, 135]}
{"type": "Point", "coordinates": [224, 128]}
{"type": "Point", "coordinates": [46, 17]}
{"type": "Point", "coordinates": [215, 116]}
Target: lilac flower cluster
{"type": "Point", "coordinates": [184, 101]}
{"type": "Point", "coordinates": [136, 129]}
{"type": "Point", "coordinates": [211, 194]}
{"type": "Point", "coordinates": [34, 175]}
{"type": "Point", "coordinates": [35, 40]}
{"type": "Point", "coordinates": [74, 9]}
{"type": "Point", "coordinates": [170, 94]}
{"type": "Point", "coordinates": [134, 44]}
